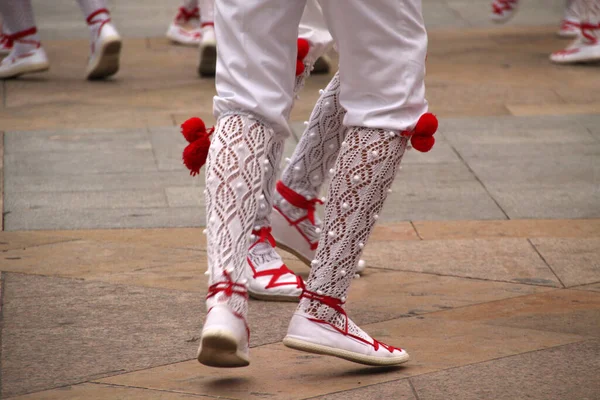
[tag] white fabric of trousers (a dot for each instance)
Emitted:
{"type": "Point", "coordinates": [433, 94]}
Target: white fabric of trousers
{"type": "Point", "coordinates": [382, 64]}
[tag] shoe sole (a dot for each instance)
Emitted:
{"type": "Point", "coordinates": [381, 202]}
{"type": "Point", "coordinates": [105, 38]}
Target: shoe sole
{"type": "Point", "coordinates": [294, 252]}
{"type": "Point", "coordinates": [268, 297]}
{"type": "Point", "coordinates": [218, 348]}
{"type": "Point", "coordinates": [33, 70]}
{"type": "Point", "coordinates": [299, 256]}
{"type": "Point", "coordinates": [108, 61]}
{"type": "Point", "coordinates": [208, 61]}
{"type": "Point", "coordinates": [308, 347]}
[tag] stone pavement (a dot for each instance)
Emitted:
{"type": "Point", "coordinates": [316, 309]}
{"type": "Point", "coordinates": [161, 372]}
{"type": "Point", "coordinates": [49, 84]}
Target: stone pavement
{"type": "Point", "coordinates": [486, 265]}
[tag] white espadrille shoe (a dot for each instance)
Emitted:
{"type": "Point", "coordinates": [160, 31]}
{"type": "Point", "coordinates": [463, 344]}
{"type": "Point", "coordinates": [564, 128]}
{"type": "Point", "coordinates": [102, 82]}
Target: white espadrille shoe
{"type": "Point", "coordinates": [503, 10]}
{"type": "Point", "coordinates": [268, 277]}
{"type": "Point", "coordinates": [207, 62]}
{"type": "Point", "coordinates": [185, 28]}
{"type": "Point", "coordinates": [225, 337]}
{"type": "Point", "coordinates": [106, 47]}
{"type": "Point", "coordinates": [344, 340]}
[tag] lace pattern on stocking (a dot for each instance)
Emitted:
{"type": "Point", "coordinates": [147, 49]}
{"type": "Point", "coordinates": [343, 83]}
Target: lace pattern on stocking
{"type": "Point", "coordinates": [365, 171]}
{"type": "Point", "coordinates": [234, 177]}
{"type": "Point", "coordinates": [315, 155]}
{"type": "Point", "coordinates": [271, 171]}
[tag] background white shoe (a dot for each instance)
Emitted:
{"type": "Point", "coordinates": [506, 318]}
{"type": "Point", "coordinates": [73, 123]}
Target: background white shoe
{"type": "Point", "coordinates": [582, 50]}
{"type": "Point", "coordinates": [224, 339]}
{"type": "Point", "coordinates": [106, 50]}
{"type": "Point", "coordinates": [185, 28]}
{"type": "Point", "coordinates": [14, 65]}
{"type": "Point", "coordinates": [182, 35]}
{"type": "Point", "coordinates": [208, 52]}
{"type": "Point", "coordinates": [503, 10]}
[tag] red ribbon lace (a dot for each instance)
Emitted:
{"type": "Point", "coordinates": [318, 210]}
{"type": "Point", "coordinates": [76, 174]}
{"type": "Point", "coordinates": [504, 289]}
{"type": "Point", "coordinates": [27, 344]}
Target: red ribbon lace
{"type": "Point", "coordinates": [297, 200]}
{"type": "Point", "coordinates": [186, 14]}
{"type": "Point", "coordinates": [11, 39]}
{"type": "Point", "coordinates": [499, 6]}
{"type": "Point", "coordinates": [337, 305]}
{"type": "Point", "coordinates": [228, 286]}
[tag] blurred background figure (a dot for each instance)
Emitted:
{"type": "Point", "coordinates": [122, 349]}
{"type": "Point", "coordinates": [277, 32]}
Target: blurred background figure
{"type": "Point", "coordinates": [504, 10]}
{"type": "Point", "coordinates": [193, 25]}
{"type": "Point", "coordinates": [586, 47]}
{"type": "Point", "coordinates": [27, 54]}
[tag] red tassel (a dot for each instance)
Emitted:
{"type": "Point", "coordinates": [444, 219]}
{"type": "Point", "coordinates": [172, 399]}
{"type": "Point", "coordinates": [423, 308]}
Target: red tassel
{"type": "Point", "coordinates": [192, 129]}
{"type": "Point", "coordinates": [299, 67]}
{"type": "Point", "coordinates": [303, 47]}
{"type": "Point", "coordinates": [195, 154]}
{"type": "Point", "coordinates": [422, 136]}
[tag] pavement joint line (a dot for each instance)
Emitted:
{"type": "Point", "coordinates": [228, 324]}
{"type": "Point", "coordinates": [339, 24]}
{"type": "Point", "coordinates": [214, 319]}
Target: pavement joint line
{"type": "Point", "coordinates": [478, 180]}
{"type": "Point", "coordinates": [2, 278]}
{"type": "Point", "coordinates": [579, 287]}
{"type": "Point", "coordinates": [161, 390]}
{"type": "Point", "coordinates": [588, 339]}
{"type": "Point", "coordinates": [546, 262]}
{"type": "Point", "coordinates": [362, 386]}
{"type": "Point", "coordinates": [467, 277]}
{"type": "Point", "coordinates": [412, 388]}
{"type": "Point", "coordinates": [416, 230]}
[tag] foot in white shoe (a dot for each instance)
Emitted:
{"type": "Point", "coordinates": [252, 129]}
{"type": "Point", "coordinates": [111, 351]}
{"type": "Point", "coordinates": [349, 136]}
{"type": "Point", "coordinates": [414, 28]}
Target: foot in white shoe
{"type": "Point", "coordinates": [225, 337]}
{"type": "Point", "coordinates": [269, 278]}
{"type": "Point", "coordinates": [583, 49]}
{"type": "Point", "coordinates": [33, 61]}
{"type": "Point", "coordinates": [208, 52]}
{"type": "Point", "coordinates": [313, 334]}
{"type": "Point", "coordinates": [503, 10]}
{"type": "Point", "coordinates": [27, 56]}
{"type": "Point", "coordinates": [296, 227]}
{"type": "Point", "coordinates": [185, 27]}
{"type": "Point", "coordinates": [569, 29]}
{"type": "Point", "coordinates": [106, 47]}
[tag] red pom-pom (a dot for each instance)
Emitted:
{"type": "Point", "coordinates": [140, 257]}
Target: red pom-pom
{"type": "Point", "coordinates": [422, 143]}
{"type": "Point", "coordinates": [194, 155]}
{"type": "Point", "coordinates": [303, 47]}
{"type": "Point", "coordinates": [299, 68]}
{"type": "Point", "coordinates": [427, 125]}
{"type": "Point", "coordinates": [193, 129]}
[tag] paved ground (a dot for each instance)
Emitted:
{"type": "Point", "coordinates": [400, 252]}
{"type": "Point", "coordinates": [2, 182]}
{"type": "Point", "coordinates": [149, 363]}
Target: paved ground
{"type": "Point", "coordinates": [486, 265]}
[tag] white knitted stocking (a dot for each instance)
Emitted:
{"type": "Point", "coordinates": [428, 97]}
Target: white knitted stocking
{"type": "Point", "coordinates": [234, 178]}
{"type": "Point", "coordinates": [364, 172]}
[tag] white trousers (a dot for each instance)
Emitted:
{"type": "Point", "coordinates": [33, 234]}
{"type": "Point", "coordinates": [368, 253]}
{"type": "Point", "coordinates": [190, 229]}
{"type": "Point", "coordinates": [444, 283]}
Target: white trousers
{"type": "Point", "coordinates": [382, 46]}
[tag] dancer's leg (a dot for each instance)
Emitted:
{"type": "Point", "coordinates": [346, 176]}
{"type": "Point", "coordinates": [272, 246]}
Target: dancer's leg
{"type": "Point", "coordinates": [251, 108]}
{"type": "Point", "coordinates": [586, 47]}
{"type": "Point", "coordinates": [208, 44]}
{"type": "Point", "coordinates": [106, 42]}
{"type": "Point", "coordinates": [570, 26]}
{"type": "Point", "coordinates": [185, 28]}
{"type": "Point", "coordinates": [379, 107]}
{"type": "Point", "coordinates": [26, 55]}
